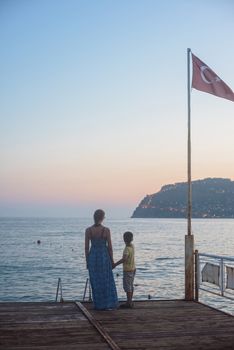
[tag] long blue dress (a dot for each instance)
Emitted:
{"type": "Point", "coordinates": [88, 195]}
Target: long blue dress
{"type": "Point", "coordinates": [101, 276]}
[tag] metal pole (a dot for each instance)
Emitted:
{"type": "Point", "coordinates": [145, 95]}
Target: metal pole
{"type": "Point", "coordinates": [61, 292]}
{"type": "Point", "coordinates": [86, 284]}
{"type": "Point", "coordinates": [56, 298]}
{"type": "Point", "coordinates": [189, 208]}
{"type": "Point", "coordinates": [198, 271]}
{"type": "Point", "coordinates": [90, 292]}
{"type": "Point", "coordinates": [196, 276]}
{"type": "Point", "coordinates": [222, 277]}
{"type": "Point", "coordinates": [189, 241]}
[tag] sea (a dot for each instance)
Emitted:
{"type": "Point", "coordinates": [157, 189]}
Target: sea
{"type": "Point", "coordinates": [29, 271]}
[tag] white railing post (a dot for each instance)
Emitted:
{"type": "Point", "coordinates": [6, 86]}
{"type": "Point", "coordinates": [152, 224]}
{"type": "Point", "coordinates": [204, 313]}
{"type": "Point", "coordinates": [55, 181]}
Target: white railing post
{"type": "Point", "coordinates": [221, 276]}
{"type": "Point", "coordinates": [220, 261]}
{"type": "Point", "coordinates": [196, 275]}
{"type": "Point", "coordinates": [198, 271]}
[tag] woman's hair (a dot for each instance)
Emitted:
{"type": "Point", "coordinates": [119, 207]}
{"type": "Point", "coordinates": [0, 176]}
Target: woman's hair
{"type": "Point", "coordinates": [98, 216]}
{"type": "Point", "coordinates": [128, 237]}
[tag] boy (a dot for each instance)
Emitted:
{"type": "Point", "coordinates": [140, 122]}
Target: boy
{"type": "Point", "coordinates": [129, 268]}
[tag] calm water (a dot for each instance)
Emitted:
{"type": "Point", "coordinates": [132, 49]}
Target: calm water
{"type": "Point", "coordinates": [29, 272]}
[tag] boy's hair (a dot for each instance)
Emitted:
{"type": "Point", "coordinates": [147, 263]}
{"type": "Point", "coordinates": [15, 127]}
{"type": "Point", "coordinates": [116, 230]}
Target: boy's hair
{"type": "Point", "coordinates": [128, 237]}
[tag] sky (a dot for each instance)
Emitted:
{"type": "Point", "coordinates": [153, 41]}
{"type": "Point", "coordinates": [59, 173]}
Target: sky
{"type": "Point", "coordinates": [93, 102]}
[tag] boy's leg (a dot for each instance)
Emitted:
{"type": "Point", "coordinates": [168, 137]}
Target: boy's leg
{"type": "Point", "coordinates": [130, 288]}
{"type": "Point", "coordinates": [127, 289]}
{"type": "Point", "coordinates": [129, 297]}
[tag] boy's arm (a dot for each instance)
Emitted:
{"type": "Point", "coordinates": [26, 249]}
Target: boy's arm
{"type": "Point", "coordinates": [121, 261]}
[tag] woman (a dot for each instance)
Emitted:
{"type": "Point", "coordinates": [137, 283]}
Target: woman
{"type": "Point", "coordinates": [99, 259]}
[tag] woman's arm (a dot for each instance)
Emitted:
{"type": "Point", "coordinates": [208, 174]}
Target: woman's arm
{"type": "Point", "coordinates": [110, 245]}
{"type": "Point", "coordinates": [86, 246]}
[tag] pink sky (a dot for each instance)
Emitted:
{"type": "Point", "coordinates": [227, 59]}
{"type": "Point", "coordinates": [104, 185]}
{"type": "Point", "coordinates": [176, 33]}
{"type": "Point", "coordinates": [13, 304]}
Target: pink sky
{"type": "Point", "coordinates": [94, 106]}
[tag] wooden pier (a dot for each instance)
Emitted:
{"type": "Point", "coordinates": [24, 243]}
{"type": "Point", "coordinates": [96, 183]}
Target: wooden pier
{"type": "Point", "coordinates": [174, 324]}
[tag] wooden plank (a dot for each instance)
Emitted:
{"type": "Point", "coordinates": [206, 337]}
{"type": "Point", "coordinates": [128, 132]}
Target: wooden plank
{"type": "Point", "coordinates": [99, 328]}
{"type": "Point", "coordinates": [47, 326]}
{"type": "Point", "coordinates": [150, 325]}
{"type": "Point", "coordinates": [168, 325]}
{"type": "Point", "coordinates": [87, 346]}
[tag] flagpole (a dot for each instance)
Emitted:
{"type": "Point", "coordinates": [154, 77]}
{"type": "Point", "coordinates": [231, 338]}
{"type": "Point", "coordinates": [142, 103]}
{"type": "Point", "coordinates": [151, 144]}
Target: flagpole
{"type": "Point", "coordinates": [189, 241]}
{"type": "Point", "coordinates": [189, 207]}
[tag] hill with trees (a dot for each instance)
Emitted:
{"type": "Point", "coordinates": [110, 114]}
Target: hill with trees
{"type": "Point", "coordinates": [211, 198]}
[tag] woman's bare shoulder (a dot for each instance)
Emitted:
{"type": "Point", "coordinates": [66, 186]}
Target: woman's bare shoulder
{"type": "Point", "coordinates": [88, 230]}
{"type": "Point", "coordinates": [107, 231]}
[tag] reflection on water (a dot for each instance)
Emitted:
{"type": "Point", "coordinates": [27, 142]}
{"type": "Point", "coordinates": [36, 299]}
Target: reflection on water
{"type": "Point", "coordinates": [29, 271]}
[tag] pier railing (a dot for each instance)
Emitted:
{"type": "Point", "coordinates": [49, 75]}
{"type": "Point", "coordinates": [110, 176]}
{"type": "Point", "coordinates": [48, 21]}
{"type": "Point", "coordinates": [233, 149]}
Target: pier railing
{"type": "Point", "coordinates": [59, 290]}
{"type": "Point", "coordinates": [87, 288]}
{"type": "Point", "coordinates": [214, 274]}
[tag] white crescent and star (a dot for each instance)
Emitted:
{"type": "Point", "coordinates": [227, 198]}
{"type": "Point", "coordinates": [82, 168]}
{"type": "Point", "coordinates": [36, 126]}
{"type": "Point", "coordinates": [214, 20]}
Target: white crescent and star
{"type": "Point", "coordinates": [202, 70]}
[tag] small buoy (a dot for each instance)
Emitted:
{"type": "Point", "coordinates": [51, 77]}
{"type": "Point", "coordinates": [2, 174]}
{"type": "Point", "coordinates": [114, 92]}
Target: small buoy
{"type": "Point", "coordinates": [38, 242]}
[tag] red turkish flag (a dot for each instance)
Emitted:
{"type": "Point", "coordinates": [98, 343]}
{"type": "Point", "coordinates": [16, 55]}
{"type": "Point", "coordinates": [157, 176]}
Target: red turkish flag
{"type": "Point", "coordinates": [206, 80]}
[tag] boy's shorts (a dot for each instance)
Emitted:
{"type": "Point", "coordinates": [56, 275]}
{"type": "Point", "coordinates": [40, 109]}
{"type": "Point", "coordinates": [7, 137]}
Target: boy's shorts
{"type": "Point", "coordinates": [128, 279]}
